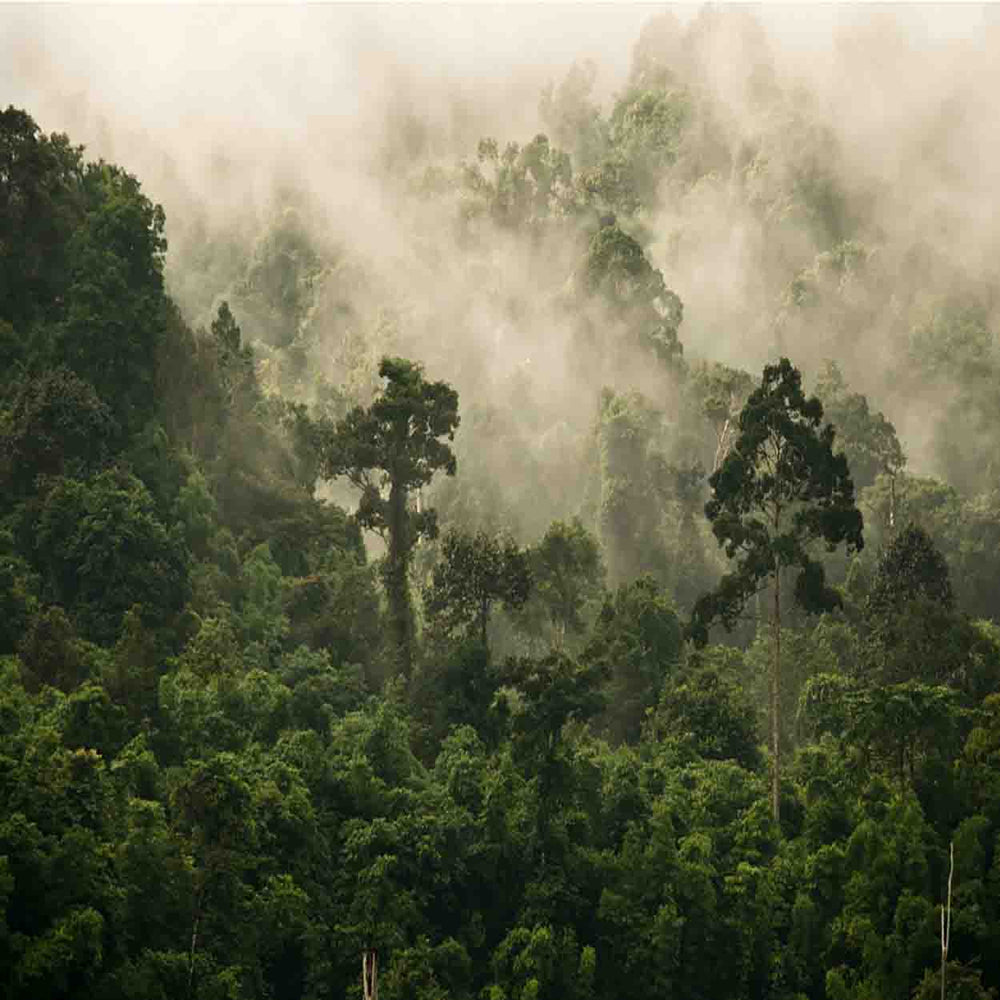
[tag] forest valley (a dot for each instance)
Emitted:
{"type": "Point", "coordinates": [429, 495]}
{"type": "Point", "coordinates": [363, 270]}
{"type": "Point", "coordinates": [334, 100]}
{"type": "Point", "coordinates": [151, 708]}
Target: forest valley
{"type": "Point", "coordinates": [452, 611]}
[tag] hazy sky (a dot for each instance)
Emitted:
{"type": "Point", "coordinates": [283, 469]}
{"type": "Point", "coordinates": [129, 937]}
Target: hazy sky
{"type": "Point", "coordinates": [281, 77]}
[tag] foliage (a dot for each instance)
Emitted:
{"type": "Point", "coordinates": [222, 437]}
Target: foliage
{"type": "Point", "coordinates": [567, 572]}
{"type": "Point", "coordinates": [211, 784]}
{"type": "Point", "coordinates": [474, 572]}
{"type": "Point", "coordinates": [394, 447]}
{"type": "Point", "coordinates": [780, 487]}
{"type": "Point", "coordinates": [635, 644]}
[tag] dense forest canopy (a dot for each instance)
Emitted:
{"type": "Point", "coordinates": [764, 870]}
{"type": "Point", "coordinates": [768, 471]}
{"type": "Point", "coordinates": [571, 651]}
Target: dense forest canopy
{"type": "Point", "coordinates": [527, 528]}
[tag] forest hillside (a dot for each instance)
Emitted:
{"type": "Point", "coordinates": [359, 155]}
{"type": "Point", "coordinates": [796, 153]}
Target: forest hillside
{"type": "Point", "coordinates": [503, 534]}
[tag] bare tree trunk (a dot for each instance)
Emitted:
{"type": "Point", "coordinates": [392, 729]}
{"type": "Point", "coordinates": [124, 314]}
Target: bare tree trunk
{"type": "Point", "coordinates": [892, 503]}
{"type": "Point", "coordinates": [199, 899]}
{"type": "Point", "coordinates": [946, 928]}
{"type": "Point", "coordinates": [369, 974]}
{"type": "Point", "coordinates": [773, 695]}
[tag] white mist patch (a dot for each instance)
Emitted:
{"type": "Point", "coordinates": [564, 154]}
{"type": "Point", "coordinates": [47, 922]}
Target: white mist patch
{"type": "Point", "coordinates": [228, 115]}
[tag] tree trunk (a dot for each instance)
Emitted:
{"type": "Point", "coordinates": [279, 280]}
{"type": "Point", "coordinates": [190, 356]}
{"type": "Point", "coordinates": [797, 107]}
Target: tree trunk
{"type": "Point", "coordinates": [396, 583]}
{"type": "Point", "coordinates": [199, 899]}
{"type": "Point", "coordinates": [773, 695]}
{"type": "Point", "coordinates": [946, 925]}
{"type": "Point", "coordinates": [369, 974]}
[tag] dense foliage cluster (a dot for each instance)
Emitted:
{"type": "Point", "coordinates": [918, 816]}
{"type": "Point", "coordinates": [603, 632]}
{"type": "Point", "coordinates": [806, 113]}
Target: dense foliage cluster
{"type": "Point", "coordinates": [242, 745]}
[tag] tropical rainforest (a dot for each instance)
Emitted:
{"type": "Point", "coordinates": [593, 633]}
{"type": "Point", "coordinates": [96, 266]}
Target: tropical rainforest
{"type": "Point", "coordinates": [571, 574]}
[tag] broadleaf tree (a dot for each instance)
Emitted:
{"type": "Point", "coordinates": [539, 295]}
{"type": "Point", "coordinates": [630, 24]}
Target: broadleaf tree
{"type": "Point", "coordinates": [474, 573]}
{"type": "Point", "coordinates": [779, 490]}
{"type": "Point", "coordinates": [388, 451]}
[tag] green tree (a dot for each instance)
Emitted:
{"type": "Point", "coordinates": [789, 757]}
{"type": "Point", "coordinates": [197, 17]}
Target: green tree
{"type": "Point", "coordinates": [780, 488]}
{"type": "Point", "coordinates": [56, 425]}
{"type": "Point", "coordinates": [646, 131]}
{"type": "Point", "coordinates": [706, 709]}
{"type": "Point", "coordinates": [634, 484]}
{"type": "Point", "coordinates": [867, 439]}
{"type": "Point", "coordinates": [40, 205]}
{"type": "Point", "coordinates": [235, 363]}
{"type": "Point", "coordinates": [389, 450]}
{"type": "Point", "coordinates": [636, 642]}
{"type": "Point", "coordinates": [616, 269]}
{"type": "Point", "coordinates": [103, 550]}
{"type": "Point", "coordinates": [720, 393]}
{"type": "Point", "coordinates": [520, 186]}
{"type": "Point", "coordinates": [568, 572]}
{"type": "Point", "coordinates": [474, 573]}
{"type": "Point", "coordinates": [914, 632]}
{"type": "Point", "coordinates": [114, 306]}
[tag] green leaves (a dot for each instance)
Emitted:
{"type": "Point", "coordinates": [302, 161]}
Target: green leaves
{"type": "Point", "coordinates": [397, 436]}
{"type": "Point", "coordinates": [635, 645]}
{"type": "Point", "coordinates": [395, 447]}
{"type": "Point", "coordinates": [616, 270]}
{"type": "Point", "coordinates": [104, 550]}
{"type": "Point", "coordinates": [867, 439]}
{"type": "Point", "coordinates": [779, 488]}
{"type": "Point", "coordinates": [568, 573]}
{"type": "Point", "coordinates": [475, 572]}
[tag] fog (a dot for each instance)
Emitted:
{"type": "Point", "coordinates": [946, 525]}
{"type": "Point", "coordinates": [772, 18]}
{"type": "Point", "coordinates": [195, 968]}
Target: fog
{"type": "Point", "coordinates": [326, 117]}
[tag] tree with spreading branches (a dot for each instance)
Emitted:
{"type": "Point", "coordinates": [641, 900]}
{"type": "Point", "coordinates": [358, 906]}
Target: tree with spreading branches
{"type": "Point", "coordinates": [780, 489]}
{"type": "Point", "coordinates": [389, 450]}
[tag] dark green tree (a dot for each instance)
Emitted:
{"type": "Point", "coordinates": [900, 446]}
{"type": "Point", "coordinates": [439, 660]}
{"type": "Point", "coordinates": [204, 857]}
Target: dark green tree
{"type": "Point", "coordinates": [57, 425]}
{"type": "Point", "coordinates": [780, 489]}
{"type": "Point", "coordinates": [40, 206]}
{"type": "Point", "coordinates": [474, 573]}
{"type": "Point", "coordinates": [103, 549]}
{"type": "Point", "coordinates": [707, 710]}
{"type": "Point", "coordinates": [914, 631]}
{"type": "Point", "coordinates": [388, 451]}
{"type": "Point", "coordinates": [636, 642]}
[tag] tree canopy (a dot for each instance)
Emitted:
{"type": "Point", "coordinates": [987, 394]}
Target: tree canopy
{"type": "Point", "coordinates": [301, 674]}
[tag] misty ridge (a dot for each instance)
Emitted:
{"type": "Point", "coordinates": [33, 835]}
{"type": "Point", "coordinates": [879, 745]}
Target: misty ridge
{"type": "Point", "coordinates": [816, 183]}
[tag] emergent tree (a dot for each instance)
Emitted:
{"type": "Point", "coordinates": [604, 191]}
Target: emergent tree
{"type": "Point", "coordinates": [389, 450]}
{"type": "Point", "coordinates": [780, 488]}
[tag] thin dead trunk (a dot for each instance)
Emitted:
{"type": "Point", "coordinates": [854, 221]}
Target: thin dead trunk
{"type": "Point", "coordinates": [892, 504]}
{"type": "Point", "coordinates": [199, 899]}
{"type": "Point", "coordinates": [773, 694]}
{"type": "Point", "coordinates": [946, 927]}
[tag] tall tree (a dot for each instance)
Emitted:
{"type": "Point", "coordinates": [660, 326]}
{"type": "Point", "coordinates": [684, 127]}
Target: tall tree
{"type": "Point", "coordinates": [779, 489]}
{"type": "Point", "coordinates": [389, 450]}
